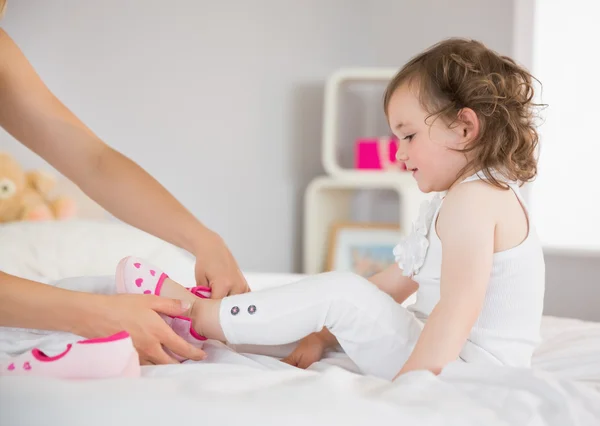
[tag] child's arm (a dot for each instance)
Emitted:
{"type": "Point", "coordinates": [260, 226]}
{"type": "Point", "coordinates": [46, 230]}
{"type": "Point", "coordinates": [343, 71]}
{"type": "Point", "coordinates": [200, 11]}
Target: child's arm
{"type": "Point", "coordinates": [392, 282]}
{"type": "Point", "coordinates": [466, 228]}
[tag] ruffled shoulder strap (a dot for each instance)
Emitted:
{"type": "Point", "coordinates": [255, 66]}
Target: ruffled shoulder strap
{"type": "Point", "coordinates": [410, 253]}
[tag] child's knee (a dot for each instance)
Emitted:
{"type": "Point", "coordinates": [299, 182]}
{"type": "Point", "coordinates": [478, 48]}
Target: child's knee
{"type": "Point", "coordinates": [345, 284]}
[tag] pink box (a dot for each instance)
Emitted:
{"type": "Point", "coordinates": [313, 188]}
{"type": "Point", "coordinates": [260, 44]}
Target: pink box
{"type": "Point", "coordinates": [377, 154]}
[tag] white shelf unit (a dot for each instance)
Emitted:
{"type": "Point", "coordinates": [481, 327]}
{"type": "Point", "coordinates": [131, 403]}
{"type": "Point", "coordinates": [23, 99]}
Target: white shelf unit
{"type": "Point", "coordinates": [331, 114]}
{"type": "Point", "coordinates": [328, 199]}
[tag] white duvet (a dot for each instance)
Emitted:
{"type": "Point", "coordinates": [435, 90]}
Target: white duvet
{"type": "Point", "coordinates": [246, 388]}
{"type": "Point", "coordinates": [226, 393]}
{"type": "Point", "coordinates": [232, 388]}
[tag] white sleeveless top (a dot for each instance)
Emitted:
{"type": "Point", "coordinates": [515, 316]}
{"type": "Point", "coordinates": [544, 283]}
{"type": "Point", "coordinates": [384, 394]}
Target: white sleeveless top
{"type": "Point", "coordinates": [508, 328]}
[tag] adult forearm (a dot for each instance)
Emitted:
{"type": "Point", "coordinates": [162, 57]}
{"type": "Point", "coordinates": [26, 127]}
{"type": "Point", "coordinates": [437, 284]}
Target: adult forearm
{"type": "Point", "coordinates": [29, 304]}
{"type": "Point", "coordinates": [129, 193]}
{"type": "Point", "coordinates": [36, 118]}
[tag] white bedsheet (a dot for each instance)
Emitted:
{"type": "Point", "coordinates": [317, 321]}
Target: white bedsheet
{"type": "Point", "coordinates": [240, 388]}
{"type": "Point", "coordinates": [233, 388]}
{"type": "Point", "coordinates": [223, 394]}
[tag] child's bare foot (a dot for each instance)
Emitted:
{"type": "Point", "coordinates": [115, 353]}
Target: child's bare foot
{"type": "Point", "coordinates": [137, 276]}
{"type": "Point", "coordinates": [174, 290]}
{"type": "Point", "coordinates": [204, 312]}
{"type": "Point", "coordinates": [201, 321]}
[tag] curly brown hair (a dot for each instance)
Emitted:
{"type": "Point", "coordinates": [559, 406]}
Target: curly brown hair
{"type": "Point", "coordinates": [460, 73]}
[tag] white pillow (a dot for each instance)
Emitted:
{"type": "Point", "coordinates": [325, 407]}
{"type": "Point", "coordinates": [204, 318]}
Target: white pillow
{"type": "Point", "coordinates": [49, 251]}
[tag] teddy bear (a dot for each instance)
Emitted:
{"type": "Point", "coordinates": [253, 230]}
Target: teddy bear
{"type": "Point", "coordinates": [25, 196]}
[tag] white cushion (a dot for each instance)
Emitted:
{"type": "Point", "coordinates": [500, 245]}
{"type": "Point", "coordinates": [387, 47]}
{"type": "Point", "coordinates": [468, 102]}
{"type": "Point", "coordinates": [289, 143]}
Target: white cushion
{"type": "Point", "coordinates": [49, 251]}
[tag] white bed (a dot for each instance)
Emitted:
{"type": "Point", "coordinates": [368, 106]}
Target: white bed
{"type": "Point", "coordinates": [233, 388]}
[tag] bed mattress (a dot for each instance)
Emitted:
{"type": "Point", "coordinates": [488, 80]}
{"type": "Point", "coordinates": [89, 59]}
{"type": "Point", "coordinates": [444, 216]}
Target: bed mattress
{"type": "Point", "coordinates": [250, 386]}
{"type": "Point", "coordinates": [247, 385]}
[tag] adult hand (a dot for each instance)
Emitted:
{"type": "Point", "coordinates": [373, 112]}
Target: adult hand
{"type": "Point", "coordinates": [309, 350]}
{"type": "Point", "coordinates": [139, 316]}
{"type": "Point", "coordinates": [216, 267]}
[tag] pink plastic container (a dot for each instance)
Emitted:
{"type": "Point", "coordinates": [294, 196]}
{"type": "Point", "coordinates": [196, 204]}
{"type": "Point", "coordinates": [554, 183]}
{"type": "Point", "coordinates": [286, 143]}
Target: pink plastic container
{"type": "Point", "coordinates": [377, 154]}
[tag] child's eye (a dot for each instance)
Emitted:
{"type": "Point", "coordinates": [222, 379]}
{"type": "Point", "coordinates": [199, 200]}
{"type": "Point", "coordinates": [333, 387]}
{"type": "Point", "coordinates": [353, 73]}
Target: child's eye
{"type": "Point", "coordinates": [409, 137]}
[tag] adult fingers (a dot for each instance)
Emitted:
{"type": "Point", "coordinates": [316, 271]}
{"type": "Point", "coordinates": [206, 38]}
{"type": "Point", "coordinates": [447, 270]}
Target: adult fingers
{"type": "Point", "coordinates": [159, 357]}
{"type": "Point", "coordinates": [201, 279]}
{"type": "Point", "coordinates": [240, 286]}
{"type": "Point", "coordinates": [179, 346]}
{"type": "Point", "coordinates": [144, 360]}
{"type": "Point", "coordinates": [219, 289]}
{"type": "Point", "coordinates": [172, 307]}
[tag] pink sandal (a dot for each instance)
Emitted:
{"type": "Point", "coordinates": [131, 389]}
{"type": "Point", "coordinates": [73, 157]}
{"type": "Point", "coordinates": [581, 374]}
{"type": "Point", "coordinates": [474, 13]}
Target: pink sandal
{"type": "Point", "coordinates": [102, 358]}
{"type": "Point", "coordinates": [136, 276]}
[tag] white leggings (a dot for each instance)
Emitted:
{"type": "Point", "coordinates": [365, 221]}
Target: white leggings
{"type": "Point", "coordinates": [377, 333]}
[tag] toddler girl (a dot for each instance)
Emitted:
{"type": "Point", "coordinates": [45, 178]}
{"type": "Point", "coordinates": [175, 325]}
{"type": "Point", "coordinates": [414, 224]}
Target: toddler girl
{"type": "Point", "coordinates": [464, 117]}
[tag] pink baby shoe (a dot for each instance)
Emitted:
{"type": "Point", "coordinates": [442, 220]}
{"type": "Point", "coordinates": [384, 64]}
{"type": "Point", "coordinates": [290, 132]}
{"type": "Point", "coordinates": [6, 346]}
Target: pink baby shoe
{"type": "Point", "coordinates": [137, 276]}
{"type": "Point", "coordinates": [103, 358]}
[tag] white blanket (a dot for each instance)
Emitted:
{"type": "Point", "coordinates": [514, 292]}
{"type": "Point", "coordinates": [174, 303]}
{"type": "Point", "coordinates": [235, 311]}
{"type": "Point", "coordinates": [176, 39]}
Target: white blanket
{"type": "Point", "coordinates": [225, 394]}
{"type": "Point", "coordinates": [240, 388]}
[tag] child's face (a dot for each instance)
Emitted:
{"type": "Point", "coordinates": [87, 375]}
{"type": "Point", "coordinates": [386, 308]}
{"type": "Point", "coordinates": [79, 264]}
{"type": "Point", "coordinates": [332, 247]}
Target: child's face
{"type": "Point", "coordinates": [425, 148]}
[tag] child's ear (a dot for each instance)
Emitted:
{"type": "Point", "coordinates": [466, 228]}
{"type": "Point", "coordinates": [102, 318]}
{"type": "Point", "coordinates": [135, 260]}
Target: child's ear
{"type": "Point", "coordinates": [469, 124]}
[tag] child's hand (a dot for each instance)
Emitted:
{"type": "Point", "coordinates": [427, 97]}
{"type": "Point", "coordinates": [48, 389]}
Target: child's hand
{"type": "Point", "coordinates": [309, 350]}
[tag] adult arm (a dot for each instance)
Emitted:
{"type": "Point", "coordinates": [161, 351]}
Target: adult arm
{"type": "Point", "coordinates": [36, 118]}
{"type": "Point", "coordinates": [29, 304]}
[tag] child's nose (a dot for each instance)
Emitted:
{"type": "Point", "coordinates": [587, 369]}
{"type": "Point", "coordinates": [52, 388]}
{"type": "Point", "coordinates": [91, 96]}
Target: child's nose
{"type": "Point", "coordinates": [401, 154]}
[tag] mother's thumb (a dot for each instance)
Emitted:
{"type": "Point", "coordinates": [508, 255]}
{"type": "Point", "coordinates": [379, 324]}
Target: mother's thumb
{"type": "Point", "coordinates": [172, 307]}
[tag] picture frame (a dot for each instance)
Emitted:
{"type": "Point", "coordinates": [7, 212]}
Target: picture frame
{"type": "Point", "coordinates": [362, 248]}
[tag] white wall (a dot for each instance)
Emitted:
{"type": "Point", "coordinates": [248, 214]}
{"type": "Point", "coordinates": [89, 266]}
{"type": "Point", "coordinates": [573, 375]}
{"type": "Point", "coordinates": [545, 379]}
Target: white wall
{"type": "Point", "coordinates": [565, 196]}
{"type": "Point", "coordinates": [221, 101]}
{"type": "Point", "coordinates": [572, 288]}
{"type": "Point", "coordinates": [572, 268]}
{"type": "Point", "coordinates": [403, 28]}
{"type": "Point", "coordinates": [237, 93]}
